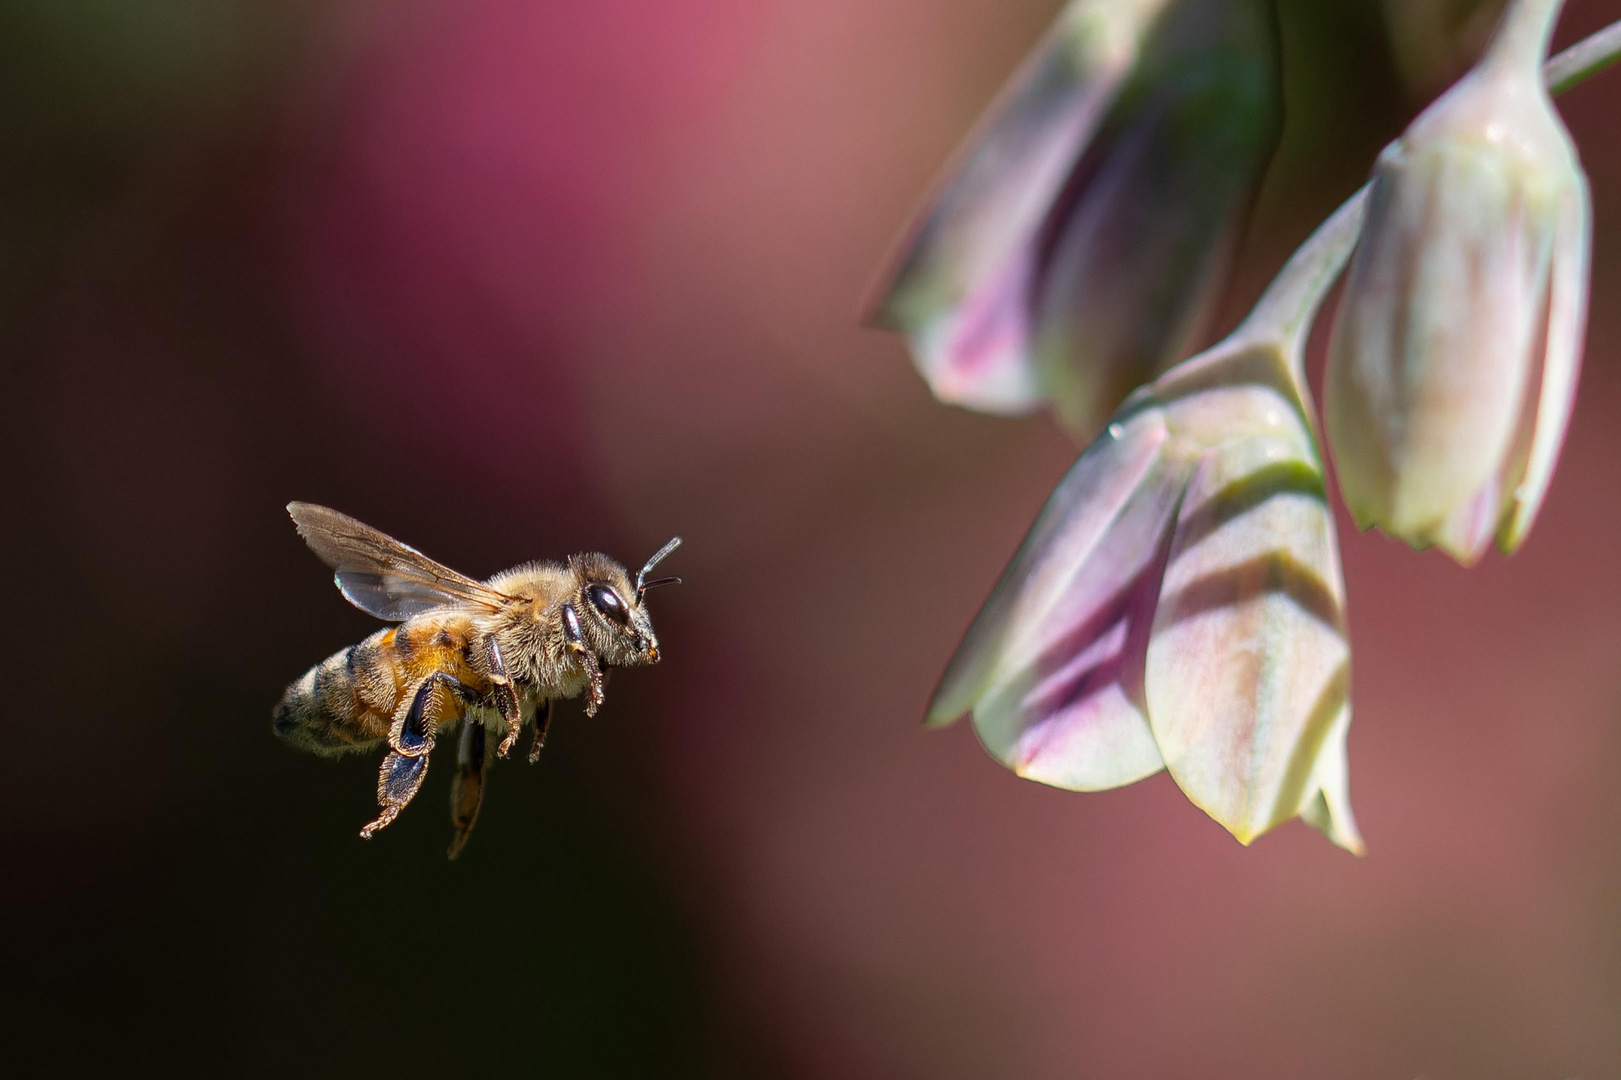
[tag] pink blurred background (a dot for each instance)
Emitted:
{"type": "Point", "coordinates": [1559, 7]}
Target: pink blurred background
{"type": "Point", "coordinates": [509, 280]}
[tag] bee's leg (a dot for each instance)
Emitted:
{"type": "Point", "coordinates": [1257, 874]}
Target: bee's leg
{"type": "Point", "coordinates": [435, 699]}
{"type": "Point", "coordinates": [397, 784]}
{"type": "Point", "coordinates": [543, 723]}
{"type": "Point", "coordinates": [583, 656]}
{"type": "Point", "coordinates": [409, 739]}
{"type": "Point", "coordinates": [506, 699]}
{"type": "Point", "coordinates": [467, 791]}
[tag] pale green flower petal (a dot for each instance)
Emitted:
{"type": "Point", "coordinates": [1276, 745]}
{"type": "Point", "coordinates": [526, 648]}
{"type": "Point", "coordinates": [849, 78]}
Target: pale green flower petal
{"type": "Point", "coordinates": [1328, 806]}
{"type": "Point", "coordinates": [1561, 361]}
{"type": "Point", "coordinates": [1453, 358]}
{"type": "Point", "coordinates": [1248, 664]}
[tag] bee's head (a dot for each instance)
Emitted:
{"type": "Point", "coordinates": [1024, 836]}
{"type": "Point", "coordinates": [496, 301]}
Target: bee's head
{"type": "Point", "coordinates": [611, 610]}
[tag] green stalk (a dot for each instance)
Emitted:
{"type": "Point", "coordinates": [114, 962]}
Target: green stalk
{"type": "Point", "coordinates": [1584, 59]}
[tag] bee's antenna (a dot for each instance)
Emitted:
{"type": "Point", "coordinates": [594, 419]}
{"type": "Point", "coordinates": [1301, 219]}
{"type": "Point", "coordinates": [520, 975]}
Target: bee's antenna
{"type": "Point", "coordinates": [641, 584]}
{"type": "Point", "coordinates": [655, 583]}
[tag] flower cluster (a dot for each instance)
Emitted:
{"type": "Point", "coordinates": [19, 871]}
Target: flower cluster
{"type": "Point", "coordinates": [1178, 603]}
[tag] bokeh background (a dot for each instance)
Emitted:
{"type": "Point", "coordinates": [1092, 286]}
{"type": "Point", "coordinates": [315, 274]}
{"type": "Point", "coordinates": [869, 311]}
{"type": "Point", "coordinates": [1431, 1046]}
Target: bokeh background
{"type": "Point", "coordinates": [511, 279]}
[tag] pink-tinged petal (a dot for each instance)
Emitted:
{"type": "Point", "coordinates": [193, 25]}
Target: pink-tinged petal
{"type": "Point", "coordinates": [1248, 663]}
{"type": "Point", "coordinates": [1561, 362]}
{"type": "Point", "coordinates": [1052, 667]}
{"type": "Point", "coordinates": [1138, 255]}
{"type": "Point", "coordinates": [1071, 713]}
{"type": "Point", "coordinates": [1085, 234]}
{"type": "Point", "coordinates": [1468, 531]}
{"type": "Point", "coordinates": [1069, 528]}
{"type": "Point", "coordinates": [961, 286]}
{"type": "Point", "coordinates": [976, 354]}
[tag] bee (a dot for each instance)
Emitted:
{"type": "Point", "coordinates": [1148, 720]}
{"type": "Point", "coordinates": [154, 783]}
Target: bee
{"type": "Point", "coordinates": [490, 656]}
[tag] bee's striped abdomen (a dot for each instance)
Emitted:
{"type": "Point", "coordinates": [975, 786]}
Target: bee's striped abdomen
{"type": "Point", "coordinates": [345, 702]}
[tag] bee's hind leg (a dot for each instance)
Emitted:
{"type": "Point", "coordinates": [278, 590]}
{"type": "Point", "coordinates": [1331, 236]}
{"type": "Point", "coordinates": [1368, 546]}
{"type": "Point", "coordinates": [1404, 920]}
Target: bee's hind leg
{"type": "Point", "coordinates": [410, 739]}
{"type": "Point", "coordinates": [397, 784]}
{"type": "Point", "coordinates": [467, 791]}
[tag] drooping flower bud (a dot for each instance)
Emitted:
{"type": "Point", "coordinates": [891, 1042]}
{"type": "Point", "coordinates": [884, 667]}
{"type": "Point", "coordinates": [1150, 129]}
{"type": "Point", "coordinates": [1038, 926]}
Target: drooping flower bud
{"type": "Point", "coordinates": [1455, 352]}
{"type": "Point", "coordinates": [1178, 603]}
{"type": "Point", "coordinates": [1086, 227]}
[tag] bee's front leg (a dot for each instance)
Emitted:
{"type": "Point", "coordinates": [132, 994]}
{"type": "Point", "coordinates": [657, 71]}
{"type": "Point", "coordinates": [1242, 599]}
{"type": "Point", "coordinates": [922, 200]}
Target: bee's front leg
{"type": "Point", "coordinates": [410, 739]}
{"type": "Point", "coordinates": [575, 638]}
{"type": "Point", "coordinates": [506, 699]}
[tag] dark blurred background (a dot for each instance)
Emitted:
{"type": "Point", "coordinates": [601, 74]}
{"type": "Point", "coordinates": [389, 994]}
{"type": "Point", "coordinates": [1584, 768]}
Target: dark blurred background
{"type": "Point", "coordinates": [510, 280]}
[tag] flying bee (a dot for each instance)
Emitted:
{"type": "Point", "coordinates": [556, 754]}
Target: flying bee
{"type": "Point", "coordinates": [491, 656]}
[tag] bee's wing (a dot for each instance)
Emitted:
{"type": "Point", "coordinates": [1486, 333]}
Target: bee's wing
{"type": "Point", "coordinates": [380, 575]}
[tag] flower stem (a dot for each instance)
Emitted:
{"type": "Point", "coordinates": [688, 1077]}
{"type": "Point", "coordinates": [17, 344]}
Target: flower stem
{"type": "Point", "coordinates": [1283, 314]}
{"type": "Point", "coordinates": [1587, 57]}
{"type": "Point", "coordinates": [1521, 40]}
{"type": "Point", "coordinates": [1285, 310]}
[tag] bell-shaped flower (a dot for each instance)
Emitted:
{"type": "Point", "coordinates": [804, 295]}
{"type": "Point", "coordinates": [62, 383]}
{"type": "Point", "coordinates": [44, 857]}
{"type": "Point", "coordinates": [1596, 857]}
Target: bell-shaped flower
{"type": "Point", "coordinates": [1076, 243]}
{"type": "Point", "coordinates": [1455, 352]}
{"type": "Point", "coordinates": [1178, 603]}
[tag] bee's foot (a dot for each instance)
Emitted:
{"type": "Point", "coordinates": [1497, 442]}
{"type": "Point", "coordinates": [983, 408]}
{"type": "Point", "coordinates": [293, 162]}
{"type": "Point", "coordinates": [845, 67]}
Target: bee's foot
{"type": "Point", "coordinates": [387, 818]}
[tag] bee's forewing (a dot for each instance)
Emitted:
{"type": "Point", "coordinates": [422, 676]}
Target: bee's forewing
{"type": "Point", "coordinates": [380, 575]}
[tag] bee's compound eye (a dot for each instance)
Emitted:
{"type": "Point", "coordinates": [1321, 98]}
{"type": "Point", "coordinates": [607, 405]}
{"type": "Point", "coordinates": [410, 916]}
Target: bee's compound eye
{"type": "Point", "coordinates": [607, 601]}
